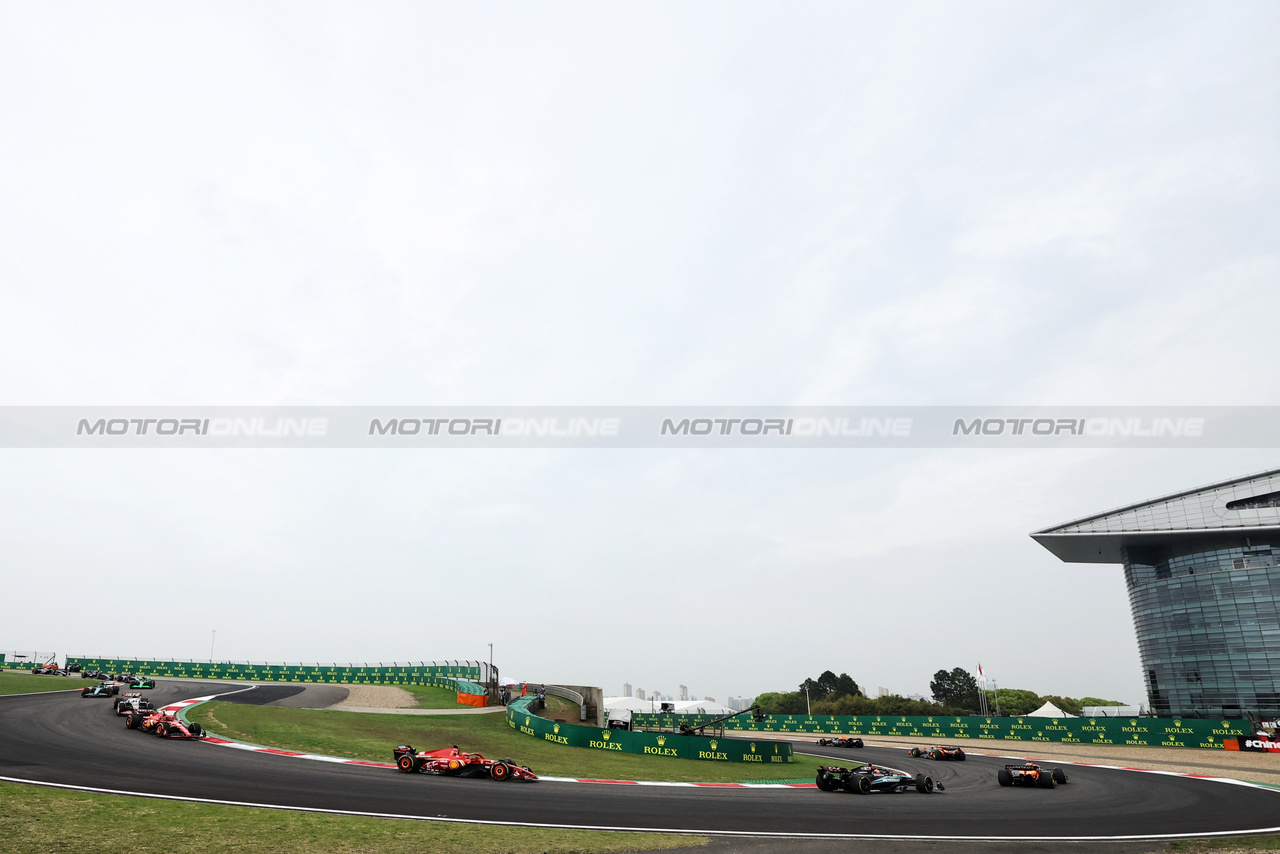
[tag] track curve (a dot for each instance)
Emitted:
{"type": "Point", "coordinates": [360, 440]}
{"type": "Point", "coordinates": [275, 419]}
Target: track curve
{"type": "Point", "coordinates": [66, 740]}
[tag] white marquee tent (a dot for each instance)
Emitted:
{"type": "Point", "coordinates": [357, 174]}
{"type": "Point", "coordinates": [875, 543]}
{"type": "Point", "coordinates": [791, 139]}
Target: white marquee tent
{"type": "Point", "coordinates": [1049, 710]}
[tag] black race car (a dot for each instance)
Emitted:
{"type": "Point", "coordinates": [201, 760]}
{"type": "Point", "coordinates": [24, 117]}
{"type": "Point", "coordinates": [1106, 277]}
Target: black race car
{"type": "Point", "coordinates": [840, 741]}
{"type": "Point", "coordinates": [938, 752]}
{"type": "Point", "coordinates": [102, 689]}
{"type": "Point", "coordinates": [1030, 775]}
{"type": "Point", "coordinates": [868, 779]}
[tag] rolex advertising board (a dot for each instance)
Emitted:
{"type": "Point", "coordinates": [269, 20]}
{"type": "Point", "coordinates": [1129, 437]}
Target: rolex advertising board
{"type": "Point", "coordinates": [441, 675]}
{"type": "Point", "coordinates": [762, 751]}
{"type": "Point", "coordinates": [1138, 732]}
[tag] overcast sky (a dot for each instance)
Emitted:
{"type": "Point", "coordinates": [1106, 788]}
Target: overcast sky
{"type": "Point", "coordinates": [622, 204]}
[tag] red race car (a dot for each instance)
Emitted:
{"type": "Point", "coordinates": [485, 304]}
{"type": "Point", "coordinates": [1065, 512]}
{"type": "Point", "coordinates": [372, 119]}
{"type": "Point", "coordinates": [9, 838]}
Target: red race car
{"type": "Point", "coordinates": [457, 763]}
{"type": "Point", "coordinates": [938, 752]}
{"type": "Point", "coordinates": [163, 724]}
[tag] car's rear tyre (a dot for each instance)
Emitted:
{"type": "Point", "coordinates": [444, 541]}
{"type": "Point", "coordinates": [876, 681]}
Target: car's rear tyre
{"type": "Point", "coordinates": [408, 763]}
{"type": "Point", "coordinates": [1059, 776]}
{"type": "Point", "coordinates": [1045, 781]}
{"type": "Point", "coordinates": [499, 771]}
{"type": "Point", "coordinates": [862, 784]}
{"type": "Point", "coordinates": [924, 784]}
{"type": "Point", "coordinates": [1005, 778]}
{"type": "Point", "coordinates": [823, 780]}
{"type": "Point", "coordinates": [959, 755]}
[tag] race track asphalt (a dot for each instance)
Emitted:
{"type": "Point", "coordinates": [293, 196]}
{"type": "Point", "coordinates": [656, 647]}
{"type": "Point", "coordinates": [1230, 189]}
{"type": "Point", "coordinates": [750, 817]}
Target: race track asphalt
{"type": "Point", "coordinates": [70, 740]}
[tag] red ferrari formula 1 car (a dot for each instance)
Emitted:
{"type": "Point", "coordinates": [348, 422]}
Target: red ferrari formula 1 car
{"type": "Point", "coordinates": [938, 752]}
{"type": "Point", "coordinates": [452, 761]}
{"type": "Point", "coordinates": [1030, 774]}
{"type": "Point", "coordinates": [163, 724]}
{"type": "Point", "coordinates": [842, 741]}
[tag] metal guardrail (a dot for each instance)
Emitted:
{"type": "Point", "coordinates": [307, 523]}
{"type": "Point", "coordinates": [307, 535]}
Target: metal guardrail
{"type": "Point", "coordinates": [569, 694]}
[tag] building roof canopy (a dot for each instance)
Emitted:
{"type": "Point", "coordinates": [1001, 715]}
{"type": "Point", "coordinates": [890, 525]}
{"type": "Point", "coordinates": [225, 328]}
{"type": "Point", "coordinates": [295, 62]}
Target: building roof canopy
{"type": "Point", "coordinates": [1241, 506]}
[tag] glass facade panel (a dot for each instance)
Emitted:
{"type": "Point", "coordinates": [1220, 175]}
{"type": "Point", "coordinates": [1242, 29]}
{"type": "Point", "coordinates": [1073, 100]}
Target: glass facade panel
{"type": "Point", "coordinates": [1207, 615]}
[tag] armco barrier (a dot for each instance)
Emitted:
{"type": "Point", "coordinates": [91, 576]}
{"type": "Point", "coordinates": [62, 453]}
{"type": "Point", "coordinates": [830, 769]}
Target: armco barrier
{"type": "Point", "coordinates": [425, 674]}
{"type": "Point", "coordinates": [1137, 732]}
{"type": "Point", "coordinates": [645, 743]}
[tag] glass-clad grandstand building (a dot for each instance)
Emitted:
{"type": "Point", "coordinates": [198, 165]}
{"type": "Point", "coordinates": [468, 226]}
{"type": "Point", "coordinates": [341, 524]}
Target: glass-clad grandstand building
{"type": "Point", "coordinates": [1203, 572]}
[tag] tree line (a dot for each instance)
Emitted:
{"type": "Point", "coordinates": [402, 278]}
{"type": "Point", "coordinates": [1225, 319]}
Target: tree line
{"type": "Point", "coordinates": [955, 692]}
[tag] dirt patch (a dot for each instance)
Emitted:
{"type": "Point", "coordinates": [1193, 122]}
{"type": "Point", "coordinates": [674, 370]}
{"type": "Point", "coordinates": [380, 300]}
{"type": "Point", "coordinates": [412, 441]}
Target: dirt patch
{"type": "Point", "coordinates": [377, 697]}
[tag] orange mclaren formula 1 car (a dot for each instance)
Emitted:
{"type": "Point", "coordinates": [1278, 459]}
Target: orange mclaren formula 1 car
{"type": "Point", "coordinates": [457, 763]}
{"type": "Point", "coordinates": [938, 752]}
{"type": "Point", "coordinates": [1031, 775]}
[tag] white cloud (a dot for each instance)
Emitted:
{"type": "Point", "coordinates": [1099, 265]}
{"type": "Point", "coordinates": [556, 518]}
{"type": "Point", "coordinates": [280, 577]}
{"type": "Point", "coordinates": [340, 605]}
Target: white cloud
{"type": "Point", "coordinates": [719, 204]}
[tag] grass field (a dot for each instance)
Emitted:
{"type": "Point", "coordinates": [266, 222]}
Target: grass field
{"type": "Point", "coordinates": [430, 697]}
{"type": "Point", "coordinates": [14, 682]}
{"type": "Point", "coordinates": [37, 820]}
{"type": "Point", "coordinates": [371, 737]}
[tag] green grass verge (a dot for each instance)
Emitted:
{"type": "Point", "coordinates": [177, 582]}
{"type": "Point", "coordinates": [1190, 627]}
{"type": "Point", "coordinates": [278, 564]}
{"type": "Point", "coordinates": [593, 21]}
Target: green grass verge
{"type": "Point", "coordinates": [37, 820]}
{"type": "Point", "coordinates": [431, 697]}
{"type": "Point", "coordinates": [560, 709]}
{"type": "Point", "coordinates": [371, 737]}
{"type": "Point", "coordinates": [1232, 843]}
{"type": "Point", "coordinates": [14, 682]}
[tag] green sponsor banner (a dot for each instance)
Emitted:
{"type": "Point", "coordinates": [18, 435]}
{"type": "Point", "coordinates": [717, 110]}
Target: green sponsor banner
{"type": "Point", "coordinates": [760, 751]}
{"type": "Point", "coordinates": [1136, 732]}
{"type": "Point", "coordinates": [439, 675]}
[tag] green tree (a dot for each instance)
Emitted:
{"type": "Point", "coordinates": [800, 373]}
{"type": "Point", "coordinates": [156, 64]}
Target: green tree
{"type": "Point", "coordinates": [956, 688]}
{"type": "Point", "coordinates": [1014, 701]}
{"type": "Point", "coordinates": [1097, 701]}
{"type": "Point", "coordinates": [829, 686]}
{"type": "Point", "coordinates": [814, 689]}
{"type": "Point", "coordinates": [782, 703]}
{"type": "Point", "coordinates": [846, 687]}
